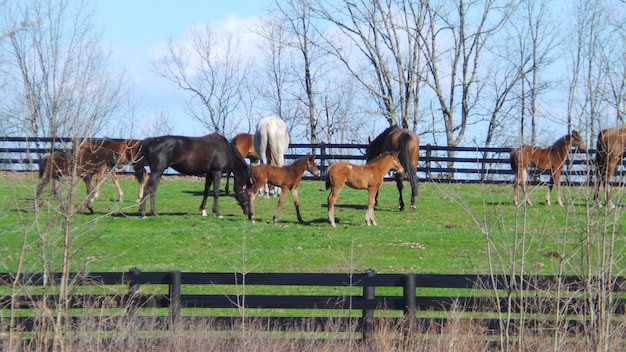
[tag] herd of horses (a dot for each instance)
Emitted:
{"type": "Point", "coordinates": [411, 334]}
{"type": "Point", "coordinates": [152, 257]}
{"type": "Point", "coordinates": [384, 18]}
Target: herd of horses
{"type": "Point", "coordinates": [395, 150]}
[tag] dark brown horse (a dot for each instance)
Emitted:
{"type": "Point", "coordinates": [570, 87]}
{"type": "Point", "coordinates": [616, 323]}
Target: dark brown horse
{"type": "Point", "coordinates": [129, 151]}
{"type": "Point", "coordinates": [406, 142]}
{"type": "Point", "coordinates": [369, 176]}
{"type": "Point", "coordinates": [551, 158]}
{"type": "Point", "coordinates": [610, 150]}
{"type": "Point", "coordinates": [286, 177]}
{"type": "Point", "coordinates": [88, 165]}
{"type": "Point", "coordinates": [244, 142]}
{"type": "Point", "coordinates": [209, 156]}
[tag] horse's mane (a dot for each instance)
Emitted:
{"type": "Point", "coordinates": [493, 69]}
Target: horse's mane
{"type": "Point", "coordinates": [377, 144]}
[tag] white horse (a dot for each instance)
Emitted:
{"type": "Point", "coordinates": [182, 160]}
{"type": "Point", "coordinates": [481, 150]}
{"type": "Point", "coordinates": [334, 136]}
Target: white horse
{"type": "Point", "coordinates": [271, 141]}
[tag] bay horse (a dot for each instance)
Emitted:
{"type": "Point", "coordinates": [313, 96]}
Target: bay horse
{"type": "Point", "coordinates": [129, 151]}
{"type": "Point", "coordinates": [610, 150]}
{"type": "Point", "coordinates": [368, 176]}
{"type": "Point", "coordinates": [271, 141]}
{"type": "Point", "coordinates": [551, 158]}
{"type": "Point", "coordinates": [244, 143]}
{"type": "Point", "coordinates": [208, 156]}
{"type": "Point", "coordinates": [88, 165]}
{"type": "Point", "coordinates": [406, 142]}
{"type": "Point", "coordinates": [286, 177]}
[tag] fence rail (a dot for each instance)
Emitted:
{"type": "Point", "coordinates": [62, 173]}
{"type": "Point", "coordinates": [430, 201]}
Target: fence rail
{"type": "Point", "coordinates": [207, 295]}
{"type": "Point", "coordinates": [469, 164]}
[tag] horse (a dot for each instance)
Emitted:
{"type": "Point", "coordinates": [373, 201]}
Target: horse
{"type": "Point", "coordinates": [610, 150]}
{"type": "Point", "coordinates": [407, 143]}
{"type": "Point", "coordinates": [129, 151]}
{"type": "Point", "coordinates": [88, 165]}
{"type": "Point", "coordinates": [244, 143]}
{"type": "Point", "coordinates": [271, 141]}
{"type": "Point", "coordinates": [551, 158]}
{"type": "Point", "coordinates": [286, 177]}
{"type": "Point", "coordinates": [209, 155]}
{"type": "Point", "coordinates": [368, 176]}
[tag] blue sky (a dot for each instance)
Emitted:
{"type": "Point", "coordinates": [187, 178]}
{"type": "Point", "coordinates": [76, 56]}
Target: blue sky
{"type": "Point", "coordinates": [134, 30]}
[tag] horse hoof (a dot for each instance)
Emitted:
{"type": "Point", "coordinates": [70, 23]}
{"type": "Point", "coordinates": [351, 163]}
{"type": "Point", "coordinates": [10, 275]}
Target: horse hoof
{"type": "Point", "coordinates": [203, 213]}
{"type": "Point", "coordinates": [413, 208]}
{"type": "Point", "coordinates": [220, 217]}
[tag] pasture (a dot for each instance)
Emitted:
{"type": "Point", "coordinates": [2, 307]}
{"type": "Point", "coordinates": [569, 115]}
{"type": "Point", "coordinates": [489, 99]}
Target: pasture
{"type": "Point", "coordinates": [457, 228]}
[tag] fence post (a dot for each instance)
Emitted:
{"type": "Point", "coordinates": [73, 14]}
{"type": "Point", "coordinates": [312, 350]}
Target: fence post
{"type": "Point", "coordinates": [369, 293]}
{"type": "Point", "coordinates": [174, 293]}
{"type": "Point", "coordinates": [409, 291]}
{"type": "Point", "coordinates": [323, 160]}
{"type": "Point", "coordinates": [133, 287]}
{"type": "Point", "coordinates": [427, 160]}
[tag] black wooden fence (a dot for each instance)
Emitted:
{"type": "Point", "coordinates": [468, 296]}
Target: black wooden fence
{"type": "Point", "coordinates": [194, 296]}
{"type": "Point", "coordinates": [469, 164]}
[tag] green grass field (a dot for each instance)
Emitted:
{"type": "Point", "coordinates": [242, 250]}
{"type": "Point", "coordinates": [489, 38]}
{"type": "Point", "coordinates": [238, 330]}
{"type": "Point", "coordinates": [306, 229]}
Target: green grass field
{"type": "Point", "coordinates": [449, 233]}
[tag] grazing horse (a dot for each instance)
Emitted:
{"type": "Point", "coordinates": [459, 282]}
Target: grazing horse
{"type": "Point", "coordinates": [88, 165]}
{"type": "Point", "coordinates": [368, 176]}
{"type": "Point", "coordinates": [244, 142]}
{"type": "Point", "coordinates": [129, 151]}
{"type": "Point", "coordinates": [610, 150]}
{"type": "Point", "coordinates": [407, 143]}
{"type": "Point", "coordinates": [271, 141]}
{"type": "Point", "coordinates": [286, 177]}
{"type": "Point", "coordinates": [210, 155]}
{"type": "Point", "coordinates": [551, 158]}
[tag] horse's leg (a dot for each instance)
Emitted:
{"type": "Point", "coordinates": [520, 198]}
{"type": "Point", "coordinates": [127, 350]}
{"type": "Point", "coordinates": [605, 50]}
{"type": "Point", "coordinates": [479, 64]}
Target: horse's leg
{"type": "Point", "coordinates": [226, 188]}
{"type": "Point", "coordinates": [369, 213]}
{"type": "Point", "coordinates": [141, 175]}
{"type": "Point", "coordinates": [400, 184]}
{"type": "Point", "coordinates": [216, 193]}
{"type": "Point", "coordinates": [90, 192]}
{"type": "Point", "coordinates": [296, 203]}
{"type": "Point", "coordinates": [208, 180]}
{"type": "Point", "coordinates": [607, 183]}
{"type": "Point", "coordinates": [120, 193]}
{"type": "Point", "coordinates": [556, 183]}
{"type": "Point", "coordinates": [332, 198]}
{"type": "Point", "coordinates": [150, 191]}
{"type": "Point", "coordinates": [251, 196]}
{"type": "Point", "coordinates": [281, 200]}
{"type": "Point", "coordinates": [525, 186]}
{"type": "Point", "coordinates": [516, 182]}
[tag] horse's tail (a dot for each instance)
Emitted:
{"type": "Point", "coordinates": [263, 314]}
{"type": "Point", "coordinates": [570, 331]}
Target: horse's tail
{"type": "Point", "coordinates": [43, 164]}
{"type": "Point", "coordinates": [601, 157]}
{"type": "Point", "coordinates": [513, 159]}
{"type": "Point", "coordinates": [410, 170]}
{"type": "Point", "coordinates": [328, 185]}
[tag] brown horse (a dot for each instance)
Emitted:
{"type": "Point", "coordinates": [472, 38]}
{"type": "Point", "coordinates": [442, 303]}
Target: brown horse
{"type": "Point", "coordinates": [406, 142]}
{"type": "Point", "coordinates": [286, 177]}
{"type": "Point", "coordinates": [551, 158]}
{"type": "Point", "coordinates": [244, 143]}
{"type": "Point", "coordinates": [610, 150]}
{"type": "Point", "coordinates": [369, 176]}
{"type": "Point", "coordinates": [130, 154]}
{"type": "Point", "coordinates": [88, 165]}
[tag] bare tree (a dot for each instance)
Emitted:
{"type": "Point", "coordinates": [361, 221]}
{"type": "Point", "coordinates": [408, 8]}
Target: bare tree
{"type": "Point", "coordinates": [65, 87]}
{"type": "Point", "coordinates": [379, 47]}
{"type": "Point", "coordinates": [208, 66]}
{"type": "Point", "coordinates": [62, 88]}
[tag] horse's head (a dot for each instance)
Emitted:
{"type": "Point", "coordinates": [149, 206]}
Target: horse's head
{"type": "Point", "coordinates": [241, 196]}
{"type": "Point", "coordinates": [311, 166]}
{"type": "Point", "coordinates": [396, 165]}
{"type": "Point", "coordinates": [577, 141]}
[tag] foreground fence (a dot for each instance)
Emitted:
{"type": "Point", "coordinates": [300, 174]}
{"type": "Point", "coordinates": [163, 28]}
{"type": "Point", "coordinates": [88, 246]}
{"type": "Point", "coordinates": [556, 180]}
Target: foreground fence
{"type": "Point", "coordinates": [469, 164]}
{"type": "Point", "coordinates": [169, 300]}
